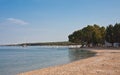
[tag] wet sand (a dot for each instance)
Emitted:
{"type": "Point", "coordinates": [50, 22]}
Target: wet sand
{"type": "Point", "coordinates": [106, 62]}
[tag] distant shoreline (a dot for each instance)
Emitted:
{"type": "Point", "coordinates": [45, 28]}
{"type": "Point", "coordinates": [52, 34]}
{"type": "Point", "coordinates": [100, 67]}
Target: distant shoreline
{"type": "Point", "coordinates": [64, 43]}
{"type": "Point", "coordinates": [61, 46]}
{"type": "Point", "coordinates": [105, 62]}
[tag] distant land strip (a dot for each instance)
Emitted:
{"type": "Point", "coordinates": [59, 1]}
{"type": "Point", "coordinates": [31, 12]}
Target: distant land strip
{"type": "Point", "coordinates": [43, 44]}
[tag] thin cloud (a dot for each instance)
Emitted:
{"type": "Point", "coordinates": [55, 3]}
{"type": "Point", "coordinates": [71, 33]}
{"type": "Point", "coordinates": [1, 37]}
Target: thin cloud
{"type": "Point", "coordinates": [16, 21]}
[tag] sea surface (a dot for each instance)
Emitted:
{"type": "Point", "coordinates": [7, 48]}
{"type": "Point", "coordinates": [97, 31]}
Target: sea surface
{"type": "Point", "coordinates": [14, 60]}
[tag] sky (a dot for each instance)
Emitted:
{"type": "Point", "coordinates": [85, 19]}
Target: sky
{"type": "Point", "coordinates": [52, 20]}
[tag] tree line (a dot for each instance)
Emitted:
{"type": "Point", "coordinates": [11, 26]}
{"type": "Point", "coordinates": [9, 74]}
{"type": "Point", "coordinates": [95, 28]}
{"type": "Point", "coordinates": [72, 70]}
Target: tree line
{"type": "Point", "coordinates": [95, 35]}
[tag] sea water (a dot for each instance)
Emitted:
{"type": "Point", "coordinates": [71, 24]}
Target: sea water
{"type": "Point", "coordinates": [14, 60]}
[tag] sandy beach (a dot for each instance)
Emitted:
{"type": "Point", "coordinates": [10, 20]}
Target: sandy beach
{"type": "Point", "coordinates": [106, 62]}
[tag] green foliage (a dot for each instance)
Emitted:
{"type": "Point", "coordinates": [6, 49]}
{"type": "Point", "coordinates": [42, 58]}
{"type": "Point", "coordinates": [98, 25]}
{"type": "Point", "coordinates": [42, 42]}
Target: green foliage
{"type": "Point", "coordinates": [117, 32]}
{"type": "Point", "coordinates": [96, 35]}
{"type": "Point", "coordinates": [88, 35]}
{"type": "Point", "coordinates": [103, 31]}
{"type": "Point", "coordinates": [75, 37]}
{"type": "Point", "coordinates": [113, 33]}
{"type": "Point", "coordinates": [110, 34]}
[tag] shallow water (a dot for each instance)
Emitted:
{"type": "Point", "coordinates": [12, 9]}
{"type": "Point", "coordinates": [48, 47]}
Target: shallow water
{"type": "Point", "coordinates": [14, 60]}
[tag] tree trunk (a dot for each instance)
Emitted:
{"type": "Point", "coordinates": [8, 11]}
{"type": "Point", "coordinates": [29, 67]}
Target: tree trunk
{"type": "Point", "coordinates": [112, 44]}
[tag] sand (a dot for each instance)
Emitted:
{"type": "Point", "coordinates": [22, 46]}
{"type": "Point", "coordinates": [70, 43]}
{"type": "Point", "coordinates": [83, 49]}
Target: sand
{"type": "Point", "coordinates": [106, 62]}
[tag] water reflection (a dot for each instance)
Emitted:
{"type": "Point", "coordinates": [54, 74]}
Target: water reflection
{"type": "Point", "coordinates": [76, 54]}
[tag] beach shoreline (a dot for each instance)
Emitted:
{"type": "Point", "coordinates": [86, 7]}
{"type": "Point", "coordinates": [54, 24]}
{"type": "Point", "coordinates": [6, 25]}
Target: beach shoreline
{"type": "Point", "coordinates": [105, 62]}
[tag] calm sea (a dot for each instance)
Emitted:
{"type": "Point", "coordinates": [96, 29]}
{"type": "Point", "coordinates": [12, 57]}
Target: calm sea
{"type": "Point", "coordinates": [14, 60]}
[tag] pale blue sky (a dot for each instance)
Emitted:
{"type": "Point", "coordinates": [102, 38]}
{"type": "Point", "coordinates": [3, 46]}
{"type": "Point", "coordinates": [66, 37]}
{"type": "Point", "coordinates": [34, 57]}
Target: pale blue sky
{"type": "Point", "coordinates": [52, 20]}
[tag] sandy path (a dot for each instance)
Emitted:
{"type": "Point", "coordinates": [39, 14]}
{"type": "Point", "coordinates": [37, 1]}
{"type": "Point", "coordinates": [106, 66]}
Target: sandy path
{"type": "Point", "coordinates": [106, 62]}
